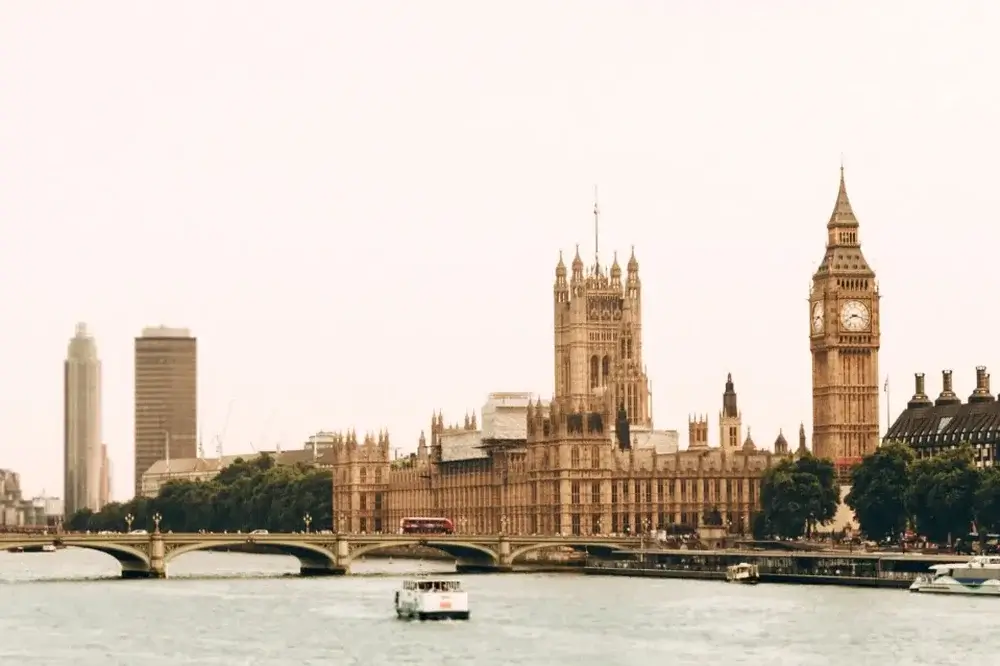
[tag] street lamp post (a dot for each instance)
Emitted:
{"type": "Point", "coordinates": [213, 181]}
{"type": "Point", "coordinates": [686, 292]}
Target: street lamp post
{"type": "Point", "coordinates": [128, 522]}
{"type": "Point", "coordinates": [642, 539]}
{"type": "Point", "coordinates": [340, 524]}
{"type": "Point", "coordinates": [503, 524]}
{"type": "Point", "coordinates": [461, 524]}
{"type": "Point", "coordinates": [307, 519]}
{"type": "Point", "coordinates": [156, 522]}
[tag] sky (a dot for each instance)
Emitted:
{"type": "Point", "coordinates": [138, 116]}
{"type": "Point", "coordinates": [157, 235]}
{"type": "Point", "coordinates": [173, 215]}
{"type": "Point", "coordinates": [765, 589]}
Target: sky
{"type": "Point", "coordinates": [358, 208]}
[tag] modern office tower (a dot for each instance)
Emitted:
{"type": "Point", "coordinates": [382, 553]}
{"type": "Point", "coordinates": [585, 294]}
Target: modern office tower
{"type": "Point", "coordinates": [105, 476]}
{"type": "Point", "coordinates": [166, 397]}
{"type": "Point", "coordinates": [82, 424]}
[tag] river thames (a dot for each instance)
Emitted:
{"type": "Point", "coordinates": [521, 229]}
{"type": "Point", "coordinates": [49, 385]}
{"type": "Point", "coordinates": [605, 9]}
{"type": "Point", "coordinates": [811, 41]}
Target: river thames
{"type": "Point", "coordinates": [232, 609]}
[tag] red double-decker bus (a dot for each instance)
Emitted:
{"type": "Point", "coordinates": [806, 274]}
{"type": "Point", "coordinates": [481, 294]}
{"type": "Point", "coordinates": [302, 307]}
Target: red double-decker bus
{"type": "Point", "coordinates": [426, 526]}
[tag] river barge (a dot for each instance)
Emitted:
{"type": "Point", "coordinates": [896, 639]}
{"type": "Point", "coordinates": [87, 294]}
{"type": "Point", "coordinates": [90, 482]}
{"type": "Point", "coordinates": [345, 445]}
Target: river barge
{"type": "Point", "coordinates": [887, 570]}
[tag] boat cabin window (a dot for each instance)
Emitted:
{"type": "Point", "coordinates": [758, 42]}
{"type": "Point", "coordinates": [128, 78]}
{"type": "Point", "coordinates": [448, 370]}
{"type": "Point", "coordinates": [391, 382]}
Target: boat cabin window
{"type": "Point", "coordinates": [433, 585]}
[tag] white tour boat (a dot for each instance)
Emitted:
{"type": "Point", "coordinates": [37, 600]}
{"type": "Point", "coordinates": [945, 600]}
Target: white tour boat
{"type": "Point", "coordinates": [430, 599]}
{"type": "Point", "coordinates": [980, 575]}
{"type": "Point", "coordinates": [747, 574]}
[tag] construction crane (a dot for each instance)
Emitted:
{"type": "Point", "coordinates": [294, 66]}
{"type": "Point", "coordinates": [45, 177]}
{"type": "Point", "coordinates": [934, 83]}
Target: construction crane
{"type": "Point", "coordinates": [220, 436]}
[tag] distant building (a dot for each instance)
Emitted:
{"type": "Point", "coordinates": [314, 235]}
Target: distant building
{"type": "Point", "coordinates": [106, 476]}
{"type": "Point", "coordinates": [587, 462]}
{"type": "Point", "coordinates": [82, 424]}
{"type": "Point", "coordinates": [166, 397]}
{"type": "Point", "coordinates": [206, 469]}
{"type": "Point", "coordinates": [15, 511]}
{"type": "Point", "coordinates": [933, 427]}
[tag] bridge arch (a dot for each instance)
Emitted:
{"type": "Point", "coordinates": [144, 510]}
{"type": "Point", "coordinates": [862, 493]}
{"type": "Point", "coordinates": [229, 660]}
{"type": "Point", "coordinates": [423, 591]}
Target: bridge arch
{"type": "Point", "coordinates": [313, 559]}
{"type": "Point", "coordinates": [462, 551]}
{"type": "Point", "coordinates": [134, 562]}
{"type": "Point", "coordinates": [604, 547]}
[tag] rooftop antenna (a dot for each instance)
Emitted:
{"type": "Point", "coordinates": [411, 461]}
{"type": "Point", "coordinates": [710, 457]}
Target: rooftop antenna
{"type": "Point", "coordinates": [597, 216]}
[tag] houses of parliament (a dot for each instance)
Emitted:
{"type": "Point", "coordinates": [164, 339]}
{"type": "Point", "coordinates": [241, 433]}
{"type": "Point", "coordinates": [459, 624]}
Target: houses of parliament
{"type": "Point", "coordinates": [589, 461]}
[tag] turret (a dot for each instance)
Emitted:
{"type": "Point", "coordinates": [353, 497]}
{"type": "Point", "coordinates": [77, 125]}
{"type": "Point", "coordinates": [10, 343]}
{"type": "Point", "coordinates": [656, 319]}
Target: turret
{"type": "Point", "coordinates": [781, 444]}
{"type": "Point", "coordinates": [622, 430]}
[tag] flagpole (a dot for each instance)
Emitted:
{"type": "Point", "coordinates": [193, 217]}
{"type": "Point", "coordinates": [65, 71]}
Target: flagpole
{"type": "Point", "coordinates": [888, 413]}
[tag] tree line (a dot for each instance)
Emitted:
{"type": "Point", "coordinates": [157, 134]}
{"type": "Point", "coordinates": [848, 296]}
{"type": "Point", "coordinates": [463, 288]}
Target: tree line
{"type": "Point", "coordinates": [246, 495]}
{"type": "Point", "coordinates": [942, 498]}
{"type": "Point", "coordinates": [796, 498]}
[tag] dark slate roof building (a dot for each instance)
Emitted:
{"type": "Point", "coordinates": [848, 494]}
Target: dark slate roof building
{"type": "Point", "coordinates": [932, 427]}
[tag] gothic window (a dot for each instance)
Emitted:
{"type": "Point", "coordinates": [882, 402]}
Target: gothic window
{"type": "Point", "coordinates": [594, 371]}
{"type": "Point", "coordinates": [363, 476]}
{"type": "Point", "coordinates": [575, 458]}
{"type": "Point", "coordinates": [575, 492]}
{"type": "Point", "coordinates": [732, 436]}
{"type": "Point", "coordinates": [378, 475]}
{"type": "Point", "coordinates": [595, 493]}
{"type": "Point", "coordinates": [628, 353]}
{"type": "Point", "coordinates": [624, 353]}
{"type": "Point", "coordinates": [605, 370]}
{"type": "Point", "coordinates": [595, 458]}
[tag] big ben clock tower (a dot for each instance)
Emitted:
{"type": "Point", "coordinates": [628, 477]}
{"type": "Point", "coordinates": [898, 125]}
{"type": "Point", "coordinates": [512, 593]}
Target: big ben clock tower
{"type": "Point", "coordinates": [844, 338]}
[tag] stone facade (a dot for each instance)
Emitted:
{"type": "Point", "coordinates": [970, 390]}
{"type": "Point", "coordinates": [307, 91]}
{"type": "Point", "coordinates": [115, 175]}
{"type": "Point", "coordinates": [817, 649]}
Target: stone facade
{"type": "Point", "coordinates": [586, 462]}
{"type": "Point", "coordinates": [844, 339]}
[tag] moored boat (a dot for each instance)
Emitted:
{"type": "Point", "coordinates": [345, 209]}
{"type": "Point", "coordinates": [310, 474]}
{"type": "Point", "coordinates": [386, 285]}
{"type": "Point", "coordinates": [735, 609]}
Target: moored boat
{"type": "Point", "coordinates": [747, 574]}
{"type": "Point", "coordinates": [432, 599]}
{"type": "Point", "coordinates": [980, 575]}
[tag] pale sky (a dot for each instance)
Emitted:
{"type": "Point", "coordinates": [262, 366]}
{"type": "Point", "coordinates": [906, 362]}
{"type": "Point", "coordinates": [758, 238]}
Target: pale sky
{"type": "Point", "coordinates": [358, 207]}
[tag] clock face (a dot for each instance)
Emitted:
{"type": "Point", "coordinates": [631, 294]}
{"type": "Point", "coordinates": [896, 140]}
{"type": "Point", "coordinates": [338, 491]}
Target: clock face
{"type": "Point", "coordinates": [817, 317]}
{"type": "Point", "coordinates": [854, 316]}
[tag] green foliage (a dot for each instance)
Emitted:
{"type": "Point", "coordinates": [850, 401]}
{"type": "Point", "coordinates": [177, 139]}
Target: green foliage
{"type": "Point", "coordinates": [246, 495]}
{"type": "Point", "coordinates": [795, 496]}
{"type": "Point", "coordinates": [879, 488]}
{"type": "Point", "coordinates": [713, 518]}
{"type": "Point", "coordinates": [942, 494]}
{"type": "Point", "coordinates": [988, 501]}
{"type": "Point", "coordinates": [760, 528]}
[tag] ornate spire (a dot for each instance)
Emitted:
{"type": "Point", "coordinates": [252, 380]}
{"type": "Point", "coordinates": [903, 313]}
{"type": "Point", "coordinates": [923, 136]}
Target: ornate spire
{"type": "Point", "coordinates": [633, 263]}
{"type": "Point", "coordinates": [560, 267]}
{"type": "Point", "coordinates": [729, 408]}
{"type": "Point", "coordinates": [843, 214]}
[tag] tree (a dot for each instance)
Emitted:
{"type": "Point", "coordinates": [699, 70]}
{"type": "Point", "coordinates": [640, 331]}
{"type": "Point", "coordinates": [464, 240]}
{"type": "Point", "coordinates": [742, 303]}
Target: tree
{"type": "Point", "coordinates": [246, 495]}
{"type": "Point", "coordinates": [713, 518]}
{"type": "Point", "coordinates": [988, 502]}
{"type": "Point", "coordinates": [879, 488]}
{"type": "Point", "coordinates": [942, 494]}
{"type": "Point", "coordinates": [824, 508]}
{"type": "Point", "coordinates": [795, 496]}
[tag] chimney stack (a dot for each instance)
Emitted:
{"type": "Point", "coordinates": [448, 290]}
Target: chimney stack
{"type": "Point", "coordinates": [947, 396]}
{"type": "Point", "coordinates": [982, 392]}
{"type": "Point", "coordinates": [919, 398]}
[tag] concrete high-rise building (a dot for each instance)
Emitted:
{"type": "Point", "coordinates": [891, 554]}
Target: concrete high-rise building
{"type": "Point", "coordinates": [166, 397]}
{"type": "Point", "coordinates": [82, 424]}
{"type": "Point", "coordinates": [105, 476]}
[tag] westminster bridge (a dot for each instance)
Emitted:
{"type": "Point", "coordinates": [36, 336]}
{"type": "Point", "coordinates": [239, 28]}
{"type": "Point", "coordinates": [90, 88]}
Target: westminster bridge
{"type": "Point", "coordinates": [147, 555]}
